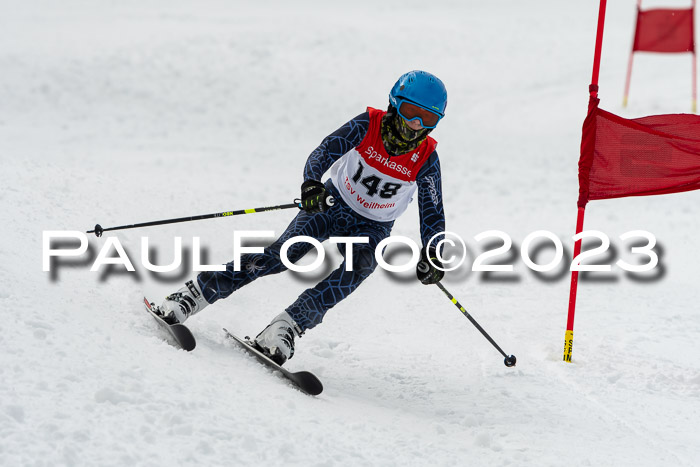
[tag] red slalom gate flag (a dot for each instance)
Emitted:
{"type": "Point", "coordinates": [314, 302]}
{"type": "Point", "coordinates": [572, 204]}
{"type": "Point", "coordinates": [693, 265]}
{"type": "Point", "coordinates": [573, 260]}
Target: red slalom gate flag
{"type": "Point", "coordinates": [638, 157]}
{"type": "Point", "coordinates": [643, 156]}
{"type": "Point", "coordinates": [664, 30]}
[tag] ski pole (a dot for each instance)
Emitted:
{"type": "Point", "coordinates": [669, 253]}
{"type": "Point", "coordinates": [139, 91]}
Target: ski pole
{"type": "Point", "coordinates": [509, 360]}
{"type": "Point", "coordinates": [99, 229]}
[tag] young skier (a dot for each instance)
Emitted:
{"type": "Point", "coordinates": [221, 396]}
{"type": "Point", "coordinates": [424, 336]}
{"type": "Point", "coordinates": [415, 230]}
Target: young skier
{"type": "Point", "coordinates": [378, 161]}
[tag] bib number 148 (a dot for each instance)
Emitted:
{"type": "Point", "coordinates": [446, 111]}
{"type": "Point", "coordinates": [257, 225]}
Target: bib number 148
{"type": "Point", "coordinates": [372, 183]}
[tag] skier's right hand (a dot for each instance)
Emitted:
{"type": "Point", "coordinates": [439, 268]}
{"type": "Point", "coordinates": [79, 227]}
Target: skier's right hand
{"type": "Point", "coordinates": [315, 197]}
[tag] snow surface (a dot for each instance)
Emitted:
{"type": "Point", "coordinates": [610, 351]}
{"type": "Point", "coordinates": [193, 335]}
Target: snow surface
{"type": "Point", "coordinates": [124, 112]}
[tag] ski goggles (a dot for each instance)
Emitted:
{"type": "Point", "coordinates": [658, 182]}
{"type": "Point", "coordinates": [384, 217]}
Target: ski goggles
{"type": "Point", "coordinates": [410, 111]}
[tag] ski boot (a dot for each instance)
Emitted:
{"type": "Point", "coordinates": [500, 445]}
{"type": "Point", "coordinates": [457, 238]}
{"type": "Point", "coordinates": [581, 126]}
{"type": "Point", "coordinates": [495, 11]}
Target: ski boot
{"type": "Point", "coordinates": [277, 339]}
{"type": "Point", "coordinates": [182, 304]}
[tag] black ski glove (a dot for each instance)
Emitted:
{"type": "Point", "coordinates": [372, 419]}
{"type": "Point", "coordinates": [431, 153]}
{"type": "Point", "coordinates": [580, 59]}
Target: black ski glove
{"type": "Point", "coordinates": [315, 197]}
{"type": "Point", "coordinates": [426, 272]}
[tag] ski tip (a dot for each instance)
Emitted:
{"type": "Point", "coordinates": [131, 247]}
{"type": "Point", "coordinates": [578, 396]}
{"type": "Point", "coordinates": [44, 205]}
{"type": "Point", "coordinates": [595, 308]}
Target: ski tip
{"type": "Point", "coordinates": [189, 347]}
{"type": "Point", "coordinates": [311, 385]}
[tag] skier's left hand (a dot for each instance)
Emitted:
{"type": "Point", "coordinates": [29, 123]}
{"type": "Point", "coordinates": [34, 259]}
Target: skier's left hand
{"type": "Point", "coordinates": [426, 272]}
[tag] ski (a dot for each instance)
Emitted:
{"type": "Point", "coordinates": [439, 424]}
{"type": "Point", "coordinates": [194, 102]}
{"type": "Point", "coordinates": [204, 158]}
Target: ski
{"type": "Point", "coordinates": [306, 381]}
{"type": "Point", "coordinates": [179, 332]}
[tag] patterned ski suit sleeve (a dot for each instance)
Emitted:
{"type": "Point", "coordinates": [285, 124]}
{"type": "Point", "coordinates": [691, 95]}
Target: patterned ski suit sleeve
{"type": "Point", "coordinates": [335, 145]}
{"type": "Point", "coordinates": [432, 215]}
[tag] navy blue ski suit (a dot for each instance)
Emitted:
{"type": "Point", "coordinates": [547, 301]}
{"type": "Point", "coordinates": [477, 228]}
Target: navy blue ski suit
{"type": "Point", "coordinates": [339, 220]}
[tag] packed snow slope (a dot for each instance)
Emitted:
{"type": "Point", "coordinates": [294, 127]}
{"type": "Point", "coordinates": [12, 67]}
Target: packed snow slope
{"type": "Point", "coordinates": [125, 112]}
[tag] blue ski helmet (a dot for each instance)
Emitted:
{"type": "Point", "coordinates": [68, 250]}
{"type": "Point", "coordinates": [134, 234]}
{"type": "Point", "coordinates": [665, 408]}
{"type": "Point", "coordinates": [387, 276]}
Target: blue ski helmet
{"type": "Point", "coordinates": [421, 88]}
